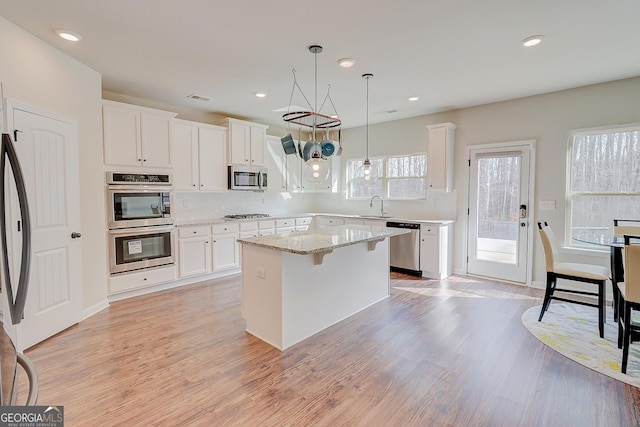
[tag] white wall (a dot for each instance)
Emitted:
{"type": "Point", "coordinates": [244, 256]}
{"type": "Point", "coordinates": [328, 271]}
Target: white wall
{"type": "Point", "coordinates": [36, 74]}
{"type": "Point", "coordinates": [545, 118]}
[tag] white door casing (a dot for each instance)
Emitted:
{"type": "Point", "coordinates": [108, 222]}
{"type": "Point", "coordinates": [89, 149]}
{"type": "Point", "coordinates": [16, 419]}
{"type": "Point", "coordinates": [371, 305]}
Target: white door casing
{"type": "Point", "coordinates": [502, 254]}
{"type": "Point", "coordinates": [47, 147]}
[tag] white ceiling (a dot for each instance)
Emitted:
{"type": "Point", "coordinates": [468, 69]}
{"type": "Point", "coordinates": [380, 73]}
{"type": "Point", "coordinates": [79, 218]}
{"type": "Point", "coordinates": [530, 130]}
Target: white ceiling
{"type": "Point", "coordinates": [450, 53]}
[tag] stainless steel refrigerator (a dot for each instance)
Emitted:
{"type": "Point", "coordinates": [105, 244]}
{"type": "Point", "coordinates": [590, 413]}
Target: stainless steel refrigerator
{"type": "Point", "coordinates": [14, 280]}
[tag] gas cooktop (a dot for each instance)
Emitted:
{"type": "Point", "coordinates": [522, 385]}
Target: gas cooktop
{"type": "Point", "coordinates": [247, 216]}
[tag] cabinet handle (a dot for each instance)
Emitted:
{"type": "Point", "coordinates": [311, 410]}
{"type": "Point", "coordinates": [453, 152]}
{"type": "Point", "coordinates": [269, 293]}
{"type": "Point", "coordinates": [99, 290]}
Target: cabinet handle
{"type": "Point", "coordinates": [139, 160]}
{"type": "Point", "coordinates": [144, 160]}
{"type": "Point", "coordinates": [194, 232]}
{"type": "Point", "coordinates": [194, 185]}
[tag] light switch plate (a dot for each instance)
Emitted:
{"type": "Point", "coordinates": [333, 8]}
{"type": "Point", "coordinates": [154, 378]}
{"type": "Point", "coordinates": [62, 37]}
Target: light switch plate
{"type": "Point", "coordinates": [547, 205]}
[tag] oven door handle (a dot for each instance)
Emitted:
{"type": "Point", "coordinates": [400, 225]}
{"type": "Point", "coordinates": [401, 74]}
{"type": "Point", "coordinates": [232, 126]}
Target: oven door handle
{"type": "Point", "coordinates": [140, 188]}
{"type": "Point", "coordinates": [141, 230]}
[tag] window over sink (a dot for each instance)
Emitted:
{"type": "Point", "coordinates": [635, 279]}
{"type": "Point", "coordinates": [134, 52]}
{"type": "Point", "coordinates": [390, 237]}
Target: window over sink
{"type": "Point", "coordinates": [393, 177]}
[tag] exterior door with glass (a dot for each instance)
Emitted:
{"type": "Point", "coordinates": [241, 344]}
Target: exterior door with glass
{"type": "Point", "coordinates": [499, 231]}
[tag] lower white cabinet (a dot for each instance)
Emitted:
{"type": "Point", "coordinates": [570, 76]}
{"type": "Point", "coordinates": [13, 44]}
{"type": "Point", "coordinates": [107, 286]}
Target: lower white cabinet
{"type": "Point", "coordinates": [436, 250]}
{"type": "Point", "coordinates": [141, 279]}
{"type": "Point", "coordinates": [204, 249]}
{"type": "Point", "coordinates": [327, 221]}
{"type": "Point", "coordinates": [266, 227]}
{"type": "Point", "coordinates": [225, 248]}
{"type": "Point", "coordinates": [284, 226]}
{"type": "Point", "coordinates": [194, 250]}
{"type": "Point", "coordinates": [302, 224]}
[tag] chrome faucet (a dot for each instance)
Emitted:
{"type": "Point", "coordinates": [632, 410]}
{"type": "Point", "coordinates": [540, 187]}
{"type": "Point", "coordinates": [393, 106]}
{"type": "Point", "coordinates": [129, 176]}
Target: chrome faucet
{"type": "Point", "coordinates": [382, 212]}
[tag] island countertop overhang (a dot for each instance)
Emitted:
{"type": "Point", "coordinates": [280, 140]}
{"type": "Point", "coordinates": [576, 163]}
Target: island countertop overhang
{"type": "Point", "coordinates": [323, 240]}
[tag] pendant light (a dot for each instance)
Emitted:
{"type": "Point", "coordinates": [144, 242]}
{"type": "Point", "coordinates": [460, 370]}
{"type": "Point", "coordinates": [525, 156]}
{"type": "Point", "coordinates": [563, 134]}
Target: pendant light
{"type": "Point", "coordinates": [367, 163]}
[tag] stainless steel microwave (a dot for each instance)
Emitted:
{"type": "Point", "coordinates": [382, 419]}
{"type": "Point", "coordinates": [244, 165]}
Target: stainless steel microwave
{"type": "Point", "coordinates": [244, 177]}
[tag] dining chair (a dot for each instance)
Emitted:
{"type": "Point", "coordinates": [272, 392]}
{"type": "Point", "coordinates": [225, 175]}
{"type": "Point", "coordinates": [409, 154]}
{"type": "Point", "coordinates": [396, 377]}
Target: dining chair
{"type": "Point", "coordinates": [585, 273]}
{"type": "Point", "coordinates": [629, 296]}
{"type": "Point", "coordinates": [620, 228]}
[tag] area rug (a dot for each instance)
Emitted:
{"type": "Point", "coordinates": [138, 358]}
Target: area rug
{"type": "Point", "coordinates": [572, 330]}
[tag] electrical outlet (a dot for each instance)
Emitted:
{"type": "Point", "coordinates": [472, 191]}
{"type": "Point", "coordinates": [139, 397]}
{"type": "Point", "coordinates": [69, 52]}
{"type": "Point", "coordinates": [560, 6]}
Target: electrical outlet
{"type": "Point", "coordinates": [261, 273]}
{"type": "Point", "coordinates": [547, 205]}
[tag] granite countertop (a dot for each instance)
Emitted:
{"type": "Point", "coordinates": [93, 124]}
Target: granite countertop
{"type": "Point", "coordinates": [190, 222]}
{"type": "Point", "coordinates": [323, 240]}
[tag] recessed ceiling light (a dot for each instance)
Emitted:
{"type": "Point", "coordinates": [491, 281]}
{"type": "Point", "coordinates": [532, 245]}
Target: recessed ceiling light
{"type": "Point", "coordinates": [532, 41]}
{"type": "Point", "coordinates": [346, 62]}
{"type": "Point", "coordinates": [68, 35]}
{"type": "Point", "coordinates": [413, 98]}
{"type": "Point", "coordinates": [260, 94]}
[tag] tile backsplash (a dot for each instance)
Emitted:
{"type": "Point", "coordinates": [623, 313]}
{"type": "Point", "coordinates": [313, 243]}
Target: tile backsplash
{"type": "Point", "coordinates": [189, 206]}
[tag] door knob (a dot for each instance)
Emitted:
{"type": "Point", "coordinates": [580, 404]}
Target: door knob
{"type": "Point", "coordinates": [75, 235]}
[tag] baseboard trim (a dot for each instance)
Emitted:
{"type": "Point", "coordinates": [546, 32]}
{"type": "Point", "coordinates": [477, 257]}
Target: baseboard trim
{"type": "Point", "coordinates": [95, 309]}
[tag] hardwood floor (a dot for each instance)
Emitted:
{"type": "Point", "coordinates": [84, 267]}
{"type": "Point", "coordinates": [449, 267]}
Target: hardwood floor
{"type": "Point", "coordinates": [436, 353]}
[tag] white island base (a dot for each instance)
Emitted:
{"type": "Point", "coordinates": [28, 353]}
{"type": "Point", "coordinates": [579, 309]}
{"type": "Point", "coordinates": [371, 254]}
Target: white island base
{"type": "Point", "coordinates": [287, 297]}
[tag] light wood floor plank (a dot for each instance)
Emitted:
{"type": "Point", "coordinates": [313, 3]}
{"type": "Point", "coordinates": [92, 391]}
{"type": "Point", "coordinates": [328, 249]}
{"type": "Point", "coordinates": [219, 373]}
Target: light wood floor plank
{"type": "Point", "coordinates": [436, 353]}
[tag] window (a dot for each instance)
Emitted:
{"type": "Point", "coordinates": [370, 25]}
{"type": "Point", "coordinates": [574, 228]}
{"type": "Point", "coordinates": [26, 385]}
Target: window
{"type": "Point", "coordinates": [603, 181]}
{"type": "Point", "coordinates": [406, 177]}
{"type": "Point", "coordinates": [360, 188]}
{"type": "Point", "coordinates": [395, 177]}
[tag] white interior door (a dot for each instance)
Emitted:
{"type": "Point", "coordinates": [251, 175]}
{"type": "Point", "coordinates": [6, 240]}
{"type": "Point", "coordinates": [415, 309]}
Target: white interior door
{"type": "Point", "coordinates": [47, 148]}
{"type": "Point", "coordinates": [499, 230]}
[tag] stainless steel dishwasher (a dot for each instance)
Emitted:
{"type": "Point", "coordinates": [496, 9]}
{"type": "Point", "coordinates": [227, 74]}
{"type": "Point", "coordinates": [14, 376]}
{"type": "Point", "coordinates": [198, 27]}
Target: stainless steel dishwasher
{"type": "Point", "coordinates": [404, 250]}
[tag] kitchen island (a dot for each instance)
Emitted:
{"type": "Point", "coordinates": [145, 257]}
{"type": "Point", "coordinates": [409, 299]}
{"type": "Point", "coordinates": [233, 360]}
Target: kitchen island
{"type": "Point", "coordinates": [295, 285]}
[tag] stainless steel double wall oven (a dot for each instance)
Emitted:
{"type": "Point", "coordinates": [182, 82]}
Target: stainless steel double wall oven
{"type": "Point", "coordinates": [141, 230]}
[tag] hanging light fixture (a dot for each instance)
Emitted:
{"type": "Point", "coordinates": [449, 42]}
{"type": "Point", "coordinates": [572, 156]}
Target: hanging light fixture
{"type": "Point", "coordinates": [367, 163]}
{"type": "Point", "coordinates": [315, 152]}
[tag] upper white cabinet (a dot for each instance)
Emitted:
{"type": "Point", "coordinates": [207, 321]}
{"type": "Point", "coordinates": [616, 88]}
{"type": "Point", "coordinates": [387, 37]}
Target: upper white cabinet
{"type": "Point", "coordinates": [440, 156]}
{"type": "Point", "coordinates": [246, 142]}
{"type": "Point", "coordinates": [298, 174]}
{"type": "Point", "coordinates": [136, 136]}
{"type": "Point", "coordinates": [275, 160]}
{"type": "Point", "coordinates": [199, 153]}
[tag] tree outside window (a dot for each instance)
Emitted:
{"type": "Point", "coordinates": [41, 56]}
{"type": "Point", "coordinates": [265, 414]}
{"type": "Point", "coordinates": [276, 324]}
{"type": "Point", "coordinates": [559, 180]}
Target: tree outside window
{"type": "Point", "coordinates": [604, 182]}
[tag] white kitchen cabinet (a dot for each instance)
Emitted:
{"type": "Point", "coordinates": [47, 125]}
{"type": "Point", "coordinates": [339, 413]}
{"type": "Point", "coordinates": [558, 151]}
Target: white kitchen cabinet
{"type": "Point", "coordinates": [246, 142]}
{"type": "Point", "coordinates": [266, 227]}
{"type": "Point", "coordinates": [141, 279]}
{"type": "Point", "coordinates": [294, 173]}
{"type": "Point", "coordinates": [440, 156]}
{"type": "Point", "coordinates": [375, 223]}
{"type": "Point", "coordinates": [284, 226]}
{"type": "Point", "coordinates": [326, 221]}
{"type": "Point", "coordinates": [248, 229]}
{"type": "Point", "coordinates": [136, 136]}
{"type": "Point", "coordinates": [302, 224]}
{"type": "Point", "coordinates": [275, 160]}
{"type": "Point", "coordinates": [436, 250]}
{"type": "Point", "coordinates": [194, 250]}
{"type": "Point", "coordinates": [298, 174]}
{"type": "Point", "coordinates": [225, 248]}
{"type": "Point", "coordinates": [199, 156]}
